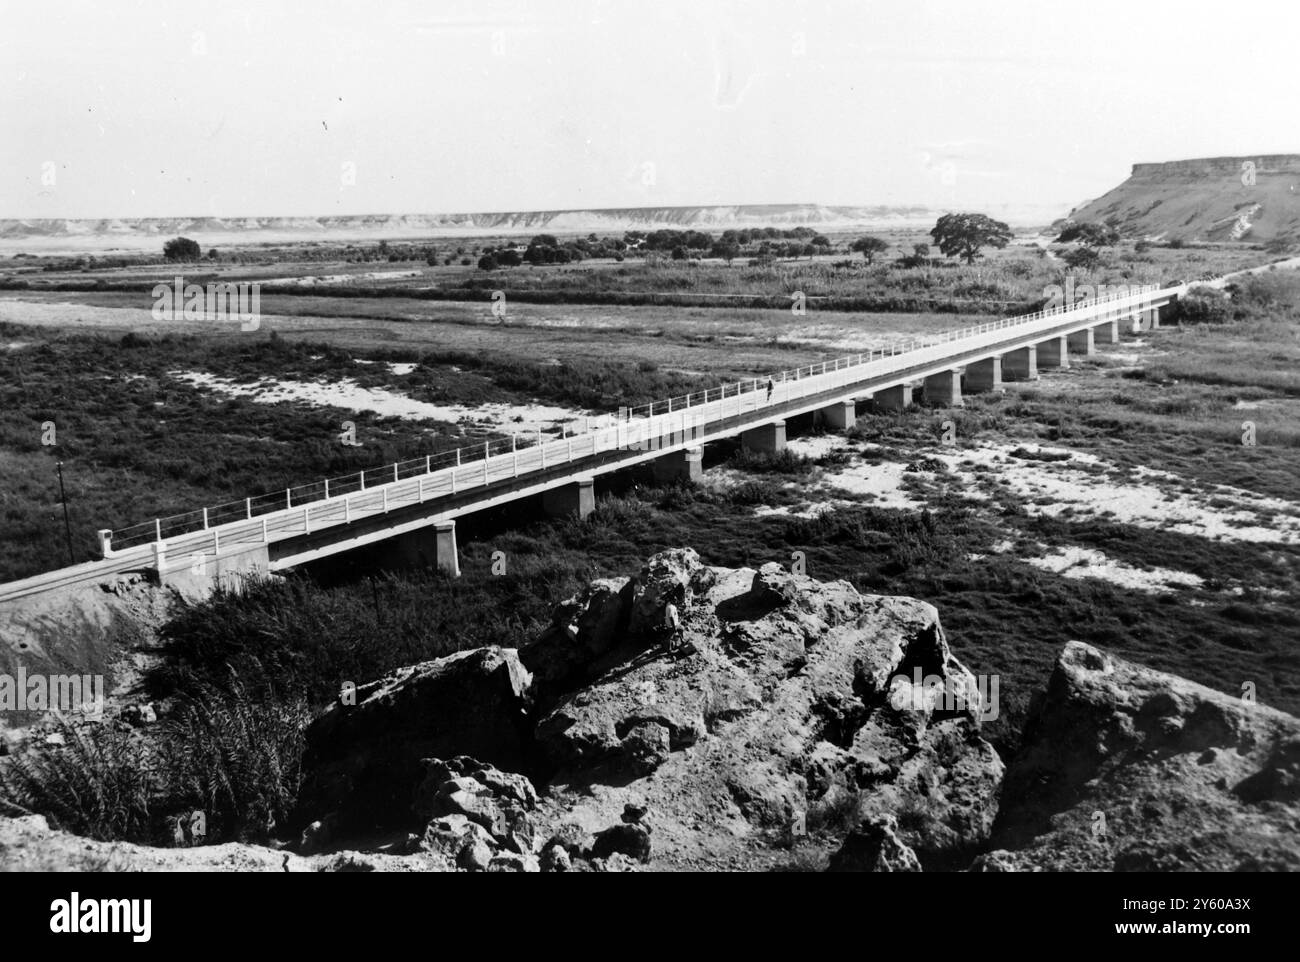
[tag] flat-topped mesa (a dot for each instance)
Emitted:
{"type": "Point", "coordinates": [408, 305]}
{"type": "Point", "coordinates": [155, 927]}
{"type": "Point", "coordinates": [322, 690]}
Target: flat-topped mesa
{"type": "Point", "coordinates": [1252, 198]}
{"type": "Point", "coordinates": [1218, 166]}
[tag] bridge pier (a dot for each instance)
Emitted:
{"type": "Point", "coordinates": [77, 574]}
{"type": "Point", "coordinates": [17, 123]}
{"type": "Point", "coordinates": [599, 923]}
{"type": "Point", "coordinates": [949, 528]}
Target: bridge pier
{"type": "Point", "coordinates": [446, 558]}
{"type": "Point", "coordinates": [766, 438]}
{"type": "Point", "coordinates": [1155, 318]}
{"type": "Point", "coordinates": [943, 389]}
{"type": "Point", "coordinates": [1134, 321]}
{"type": "Point", "coordinates": [575, 498]}
{"type": "Point", "coordinates": [984, 376]}
{"type": "Point", "coordinates": [1054, 352]}
{"type": "Point", "coordinates": [1108, 333]}
{"type": "Point", "coordinates": [841, 416]}
{"type": "Point", "coordinates": [1082, 342]}
{"type": "Point", "coordinates": [685, 466]}
{"type": "Point", "coordinates": [897, 398]}
{"type": "Point", "coordinates": [1021, 364]}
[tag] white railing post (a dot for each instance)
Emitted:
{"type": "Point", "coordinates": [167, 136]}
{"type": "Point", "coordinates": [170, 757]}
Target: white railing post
{"type": "Point", "coordinates": [157, 529]}
{"type": "Point", "coordinates": [248, 508]}
{"type": "Point", "coordinates": [205, 519]}
{"type": "Point", "coordinates": [327, 489]}
{"type": "Point", "coordinates": [306, 520]}
{"type": "Point", "coordinates": [428, 464]}
{"type": "Point", "coordinates": [394, 472]}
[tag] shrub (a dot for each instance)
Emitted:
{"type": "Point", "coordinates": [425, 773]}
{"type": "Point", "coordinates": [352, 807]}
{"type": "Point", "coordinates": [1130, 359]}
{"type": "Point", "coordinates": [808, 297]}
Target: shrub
{"type": "Point", "coordinates": [1204, 305]}
{"type": "Point", "coordinates": [182, 249]}
{"type": "Point", "coordinates": [234, 757]}
{"type": "Point", "coordinates": [99, 782]}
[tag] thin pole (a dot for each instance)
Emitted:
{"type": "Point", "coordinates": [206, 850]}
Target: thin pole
{"type": "Point", "coordinates": [67, 525]}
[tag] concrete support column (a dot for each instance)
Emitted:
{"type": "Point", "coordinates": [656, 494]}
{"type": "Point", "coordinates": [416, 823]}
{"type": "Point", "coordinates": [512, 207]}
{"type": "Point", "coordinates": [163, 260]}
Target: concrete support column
{"type": "Point", "coordinates": [897, 398]}
{"type": "Point", "coordinates": [686, 466]}
{"type": "Point", "coordinates": [1021, 365]}
{"type": "Point", "coordinates": [841, 416]}
{"type": "Point", "coordinates": [1107, 333]}
{"type": "Point", "coordinates": [1155, 318]}
{"type": "Point", "coordinates": [943, 389]}
{"type": "Point", "coordinates": [1081, 342]}
{"type": "Point", "coordinates": [1135, 323]}
{"type": "Point", "coordinates": [446, 557]}
{"type": "Point", "coordinates": [1054, 352]}
{"type": "Point", "coordinates": [766, 438]}
{"type": "Point", "coordinates": [983, 376]}
{"type": "Point", "coordinates": [576, 498]}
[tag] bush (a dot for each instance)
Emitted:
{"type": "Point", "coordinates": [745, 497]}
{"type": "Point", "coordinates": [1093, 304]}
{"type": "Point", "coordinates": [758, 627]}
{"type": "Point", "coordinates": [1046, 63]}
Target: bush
{"type": "Point", "coordinates": [182, 249]}
{"type": "Point", "coordinates": [99, 782]}
{"type": "Point", "coordinates": [1204, 305]}
{"type": "Point", "coordinates": [231, 756]}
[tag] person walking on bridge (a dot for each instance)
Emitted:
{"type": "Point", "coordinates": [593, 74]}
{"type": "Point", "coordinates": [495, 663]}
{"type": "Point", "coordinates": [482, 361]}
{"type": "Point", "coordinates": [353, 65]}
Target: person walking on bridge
{"type": "Point", "coordinates": [771, 386]}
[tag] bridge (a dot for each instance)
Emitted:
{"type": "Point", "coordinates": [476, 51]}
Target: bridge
{"type": "Point", "coordinates": [415, 504]}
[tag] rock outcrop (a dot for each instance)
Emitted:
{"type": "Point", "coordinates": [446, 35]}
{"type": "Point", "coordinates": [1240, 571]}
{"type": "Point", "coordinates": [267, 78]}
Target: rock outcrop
{"type": "Point", "coordinates": [790, 722]}
{"type": "Point", "coordinates": [782, 712]}
{"type": "Point", "coordinates": [364, 758]}
{"type": "Point", "coordinates": [1126, 768]}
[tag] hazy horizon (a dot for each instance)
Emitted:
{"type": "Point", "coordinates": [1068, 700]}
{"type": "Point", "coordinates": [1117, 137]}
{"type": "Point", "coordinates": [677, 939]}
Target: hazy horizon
{"type": "Point", "coordinates": [303, 109]}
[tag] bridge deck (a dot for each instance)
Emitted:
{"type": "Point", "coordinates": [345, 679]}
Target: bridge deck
{"type": "Point", "coordinates": [613, 444]}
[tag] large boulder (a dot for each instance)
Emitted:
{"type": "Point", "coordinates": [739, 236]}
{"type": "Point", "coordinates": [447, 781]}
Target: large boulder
{"type": "Point", "coordinates": [583, 630]}
{"type": "Point", "coordinates": [363, 762]}
{"type": "Point", "coordinates": [795, 700]}
{"type": "Point", "coordinates": [1126, 768]}
{"type": "Point", "coordinates": [675, 575]}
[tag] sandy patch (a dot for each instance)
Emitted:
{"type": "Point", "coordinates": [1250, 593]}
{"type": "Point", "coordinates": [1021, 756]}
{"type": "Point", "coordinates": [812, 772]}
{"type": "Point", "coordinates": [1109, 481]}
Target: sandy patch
{"type": "Point", "coordinates": [1090, 563]}
{"type": "Point", "coordinates": [1089, 487]}
{"type": "Point", "coordinates": [347, 394]}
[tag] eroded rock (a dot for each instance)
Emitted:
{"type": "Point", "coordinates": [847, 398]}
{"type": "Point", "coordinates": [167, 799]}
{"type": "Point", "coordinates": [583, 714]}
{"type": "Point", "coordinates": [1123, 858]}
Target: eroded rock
{"type": "Point", "coordinates": [1126, 768]}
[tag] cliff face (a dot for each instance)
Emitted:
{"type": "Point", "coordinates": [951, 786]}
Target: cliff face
{"type": "Point", "coordinates": [611, 219]}
{"type": "Point", "coordinates": [1207, 199]}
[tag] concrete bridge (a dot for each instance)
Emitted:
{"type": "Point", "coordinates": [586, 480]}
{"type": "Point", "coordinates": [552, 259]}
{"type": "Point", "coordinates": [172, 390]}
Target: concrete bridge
{"type": "Point", "coordinates": [415, 504]}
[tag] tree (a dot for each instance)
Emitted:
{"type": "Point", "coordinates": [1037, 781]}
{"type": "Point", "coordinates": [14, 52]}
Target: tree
{"type": "Point", "coordinates": [1089, 235]}
{"type": "Point", "coordinates": [964, 234]}
{"type": "Point", "coordinates": [508, 257]}
{"type": "Point", "coordinates": [485, 263]}
{"type": "Point", "coordinates": [727, 251]}
{"type": "Point", "coordinates": [869, 247]}
{"type": "Point", "coordinates": [544, 240]}
{"type": "Point", "coordinates": [920, 256]}
{"type": "Point", "coordinates": [182, 249]}
{"type": "Point", "coordinates": [1081, 258]}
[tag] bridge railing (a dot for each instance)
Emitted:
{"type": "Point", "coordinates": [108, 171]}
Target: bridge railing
{"type": "Point", "coordinates": [713, 404]}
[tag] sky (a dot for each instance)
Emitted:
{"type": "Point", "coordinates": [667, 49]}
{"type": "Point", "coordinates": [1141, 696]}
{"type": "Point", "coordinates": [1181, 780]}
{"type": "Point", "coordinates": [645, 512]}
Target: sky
{"type": "Point", "coordinates": [137, 108]}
